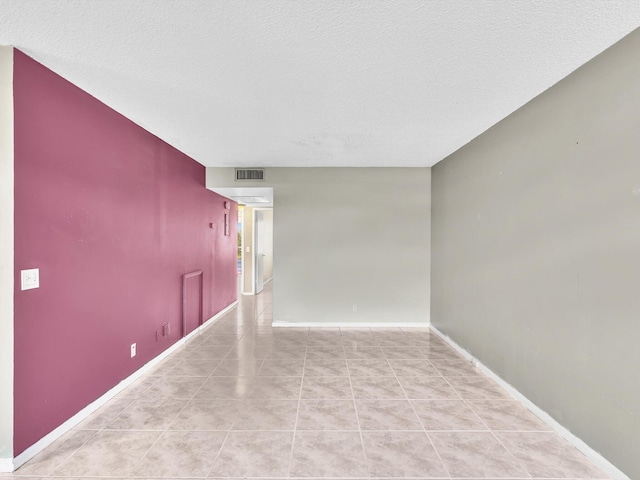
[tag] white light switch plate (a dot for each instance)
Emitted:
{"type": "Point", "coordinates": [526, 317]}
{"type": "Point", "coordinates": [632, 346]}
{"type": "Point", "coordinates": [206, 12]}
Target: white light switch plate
{"type": "Point", "coordinates": [30, 278]}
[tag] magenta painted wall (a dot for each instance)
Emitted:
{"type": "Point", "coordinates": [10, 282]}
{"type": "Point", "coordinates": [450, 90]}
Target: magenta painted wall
{"type": "Point", "coordinates": [113, 217]}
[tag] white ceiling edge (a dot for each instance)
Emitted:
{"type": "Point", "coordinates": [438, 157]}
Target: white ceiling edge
{"type": "Point", "coordinates": [311, 83]}
{"type": "Point", "coordinates": [232, 192]}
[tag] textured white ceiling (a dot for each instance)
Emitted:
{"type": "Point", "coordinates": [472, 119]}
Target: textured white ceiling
{"type": "Point", "coordinates": [315, 83]}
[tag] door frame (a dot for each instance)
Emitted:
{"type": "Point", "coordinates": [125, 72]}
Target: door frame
{"type": "Point", "coordinates": [253, 248]}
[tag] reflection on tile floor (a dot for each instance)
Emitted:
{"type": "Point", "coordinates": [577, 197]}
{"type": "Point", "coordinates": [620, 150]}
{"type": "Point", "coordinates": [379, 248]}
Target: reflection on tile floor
{"type": "Point", "coordinates": [243, 399]}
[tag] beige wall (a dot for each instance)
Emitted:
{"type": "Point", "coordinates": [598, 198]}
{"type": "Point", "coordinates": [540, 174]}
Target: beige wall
{"type": "Point", "coordinates": [345, 237]}
{"type": "Point", "coordinates": [536, 251]}
{"type": "Point", "coordinates": [6, 257]}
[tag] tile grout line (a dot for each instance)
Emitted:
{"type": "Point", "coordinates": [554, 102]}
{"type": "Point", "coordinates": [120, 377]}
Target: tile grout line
{"type": "Point", "coordinates": [224, 441]}
{"type": "Point", "coordinates": [295, 426]}
{"type": "Point", "coordinates": [466, 402]}
{"type": "Point", "coordinates": [166, 429]}
{"type": "Point", "coordinates": [228, 432]}
{"type": "Point", "coordinates": [355, 408]}
{"type": "Point", "coordinates": [420, 421]}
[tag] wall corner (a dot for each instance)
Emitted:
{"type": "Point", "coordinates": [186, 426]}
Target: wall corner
{"type": "Point", "coordinates": [6, 257]}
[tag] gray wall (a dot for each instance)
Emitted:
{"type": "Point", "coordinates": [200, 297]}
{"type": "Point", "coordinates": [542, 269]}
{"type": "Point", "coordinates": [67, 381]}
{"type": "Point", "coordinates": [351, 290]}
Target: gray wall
{"type": "Point", "coordinates": [6, 257]}
{"type": "Point", "coordinates": [266, 242]}
{"type": "Point", "coordinates": [536, 251]}
{"type": "Point", "coordinates": [345, 236]}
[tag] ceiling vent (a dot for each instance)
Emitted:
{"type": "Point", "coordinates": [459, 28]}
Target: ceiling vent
{"type": "Point", "coordinates": [250, 174]}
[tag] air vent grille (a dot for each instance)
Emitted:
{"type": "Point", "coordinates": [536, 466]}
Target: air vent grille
{"type": "Point", "coordinates": [250, 174]}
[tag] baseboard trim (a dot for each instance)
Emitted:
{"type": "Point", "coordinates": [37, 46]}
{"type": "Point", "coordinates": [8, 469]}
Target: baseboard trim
{"type": "Point", "coordinates": [589, 452]}
{"type": "Point", "coordinates": [44, 442]}
{"type": "Point", "coordinates": [6, 465]}
{"type": "Point", "coordinates": [280, 324]}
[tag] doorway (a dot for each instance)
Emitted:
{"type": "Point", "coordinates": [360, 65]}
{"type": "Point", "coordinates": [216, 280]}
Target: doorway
{"type": "Point", "coordinates": [256, 248]}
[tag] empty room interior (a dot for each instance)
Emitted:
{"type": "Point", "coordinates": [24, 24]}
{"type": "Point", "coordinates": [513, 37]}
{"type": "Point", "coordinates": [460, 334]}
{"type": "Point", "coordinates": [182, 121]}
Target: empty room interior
{"type": "Point", "coordinates": [307, 239]}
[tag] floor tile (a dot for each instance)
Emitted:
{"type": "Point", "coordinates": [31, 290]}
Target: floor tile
{"type": "Point", "coordinates": [447, 415]}
{"type": "Point", "coordinates": [233, 388]}
{"type": "Point", "coordinates": [402, 454]}
{"type": "Point", "coordinates": [58, 452]}
{"type": "Point", "coordinates": [454, 367]}
{"type": "Point", "coordinates": [294, 354]}
{"type": "Point", "coordinates": [108, 453]}
{"type": "Point", "coordinates": [507, 415]}
{"type": "Point", "coordinates": [181, 454]}
{"type": "Point", "coordinates": [148, 414]}
{"type": "Point", "coordinates": [328, 454]}
{"type": "Point", "coordinates": [326, 388]}
{"type": "Point", "coordinates": [546, 455]}
{"type": "Point", "coordinates": [283, 368]}
{"type": "Point", "coordinates": [476, 454]}
{"type": "Point", "coordinates": [174, 387]}
{"type": "Point", "coordinates": [138, 387]}
{"type": "Point", "coordinates": [478, 387]}
{"type": "Point", "coordinates": [200, 354]}
{"type": "Point", "coordinates": [319, 367]}
{"type": "Point", "coordinates": [277, 388]}
{"type": "Point", "coordinates": [427, 388]}
{"type": "Point", "coordinates": [106, 414]}
{"type": "Point", "coordinates": [254, 454]}
{"type": "Point", "coordinates": [327, 415]}
{"type": "Point", "coordinates": [409, 368]}
{"type": "Point", "coordinates": [403, 353]}
{"type": "Point", "coordinates": [393, 338]}
{"type": "Point", "coordinates": [193, 369]}
{"type": "Point", "coordinates": [324, 339]}
{"type": "Point", "coordinates": [325, 352]}
{"type": "Point", "coordinates": [387, 415]}
{"type": "Point", "coordinates": [363, 352]}
{"type": "Point", "coordinates": [376, 388]}
{"type": "Point", "coordinates": [244, 367]}
{"type": "Point", "coordinates": [440, 351]}
{"type": "Point", "coordinates": [266, 414]}
{"type": "Point", "coordinates": [362, 338]}
{"type": "Point", "coordinates": [370, 368]}
{"type": "Point", "coordinates": [206, 414]}
{"type": "Point", "coordinates": [220, 340]}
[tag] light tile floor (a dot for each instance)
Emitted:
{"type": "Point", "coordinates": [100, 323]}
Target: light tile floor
{"type": "Point", "coordinates": [243, 399]}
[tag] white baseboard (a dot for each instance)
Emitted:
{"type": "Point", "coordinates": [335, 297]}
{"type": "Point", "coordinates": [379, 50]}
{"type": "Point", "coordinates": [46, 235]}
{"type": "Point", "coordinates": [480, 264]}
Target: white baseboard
{"type": "Point", "coordinates": [8, 465]}
{"type": "Point", "coordinates": [280, 324]}
{"type": "Point", "coordinates": [589, 452]}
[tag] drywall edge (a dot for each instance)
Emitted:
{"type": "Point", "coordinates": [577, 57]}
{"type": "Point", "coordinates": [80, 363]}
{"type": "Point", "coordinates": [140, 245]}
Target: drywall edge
{"type": "Point", "coordinates": [47, 440]}
{"type": "Point", "coordinates": [589, 452]}
{"type": "Point", "coordinates": [6, 257]}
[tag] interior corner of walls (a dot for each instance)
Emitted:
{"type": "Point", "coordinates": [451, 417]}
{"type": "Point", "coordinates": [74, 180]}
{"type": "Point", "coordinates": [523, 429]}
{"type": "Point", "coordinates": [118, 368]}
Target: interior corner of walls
{"type": "Point", "coordinates": [6, 465]}
{"type": "Point", "coordinates": [6, 257]}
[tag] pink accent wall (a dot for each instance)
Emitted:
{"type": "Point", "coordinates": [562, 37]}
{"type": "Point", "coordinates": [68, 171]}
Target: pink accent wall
{"type": "Point", "coordinates": [113, 217]}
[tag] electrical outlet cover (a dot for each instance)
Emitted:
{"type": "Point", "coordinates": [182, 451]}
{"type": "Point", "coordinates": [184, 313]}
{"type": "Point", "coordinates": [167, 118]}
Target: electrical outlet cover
{"type": "Point", "coordinates": [30, 279]}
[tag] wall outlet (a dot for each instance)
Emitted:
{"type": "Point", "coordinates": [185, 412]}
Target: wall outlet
{"type": "Point", "coordinates": [166, 330]}
{"type": "Point", "coordinates": [133, 350]}
{"type": "Point", "coordinates": [355, 307]}
{"type": "Point", "coordinates": [30, 279]}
